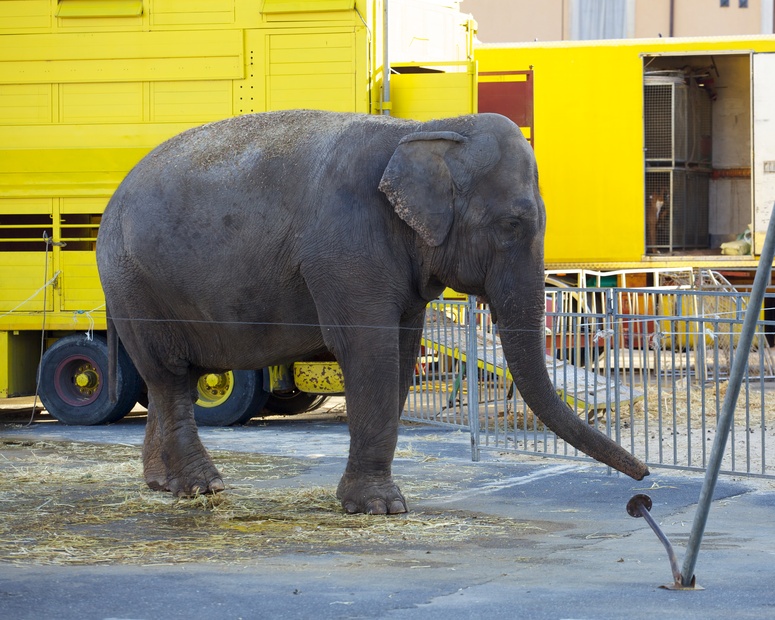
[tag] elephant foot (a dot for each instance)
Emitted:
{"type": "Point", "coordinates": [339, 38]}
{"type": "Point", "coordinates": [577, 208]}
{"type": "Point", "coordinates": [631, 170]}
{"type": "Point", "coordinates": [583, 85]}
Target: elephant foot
{"type": "Point", "coordinates": [154, 470]}
{"type": "Point", "coordinates": [200, 479]}
{"type": "Point", "coordinates": [187, 486]}
{"type": "Point", "coordinates": [186, 482]}
{"type": "Point", "coordinates": [157, 481]}
{"type": "Point", "coordinates": [370, 495]}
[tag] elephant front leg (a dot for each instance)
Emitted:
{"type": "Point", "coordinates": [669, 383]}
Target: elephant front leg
{"type": "Point", "coordinates": [372, 394]}
{"type": "Point", "coordinates": [377, 496]}
{"type": "Point", "coordinates": [367, 485]}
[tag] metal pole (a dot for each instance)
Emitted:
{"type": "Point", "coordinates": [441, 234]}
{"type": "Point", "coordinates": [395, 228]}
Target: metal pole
{"type": "Point", "coordinates": [730, 400]}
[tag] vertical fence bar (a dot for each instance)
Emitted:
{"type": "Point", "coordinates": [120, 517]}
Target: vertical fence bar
{"type": "Point", "coordinates": [472, 374]}
{"type": "Point", "coordinates": [612, 378]}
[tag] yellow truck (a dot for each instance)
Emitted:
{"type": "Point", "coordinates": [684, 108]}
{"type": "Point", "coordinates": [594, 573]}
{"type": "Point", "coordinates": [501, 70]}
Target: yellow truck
{"type": "Point", "coordinates": [654, 154]}
{"type": "Point", "coordinates": [87, 87]}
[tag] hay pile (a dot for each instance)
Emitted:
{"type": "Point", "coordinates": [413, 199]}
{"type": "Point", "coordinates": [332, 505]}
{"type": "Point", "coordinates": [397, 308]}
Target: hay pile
{"type": "Point", "coordinates": [73, 503]}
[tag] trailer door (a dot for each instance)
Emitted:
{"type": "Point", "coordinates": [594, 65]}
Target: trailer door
{"type": "Point", "coordinates": [763, 144]}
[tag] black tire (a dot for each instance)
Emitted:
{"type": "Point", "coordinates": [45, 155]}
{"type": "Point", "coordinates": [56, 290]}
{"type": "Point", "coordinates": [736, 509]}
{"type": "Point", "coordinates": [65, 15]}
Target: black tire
{"type": "Point", "coordinates": [74, 382]}
{"type": "Point", "coordinates": [294, 402]}
{"type": "Point", "coordinates": [233, 397]}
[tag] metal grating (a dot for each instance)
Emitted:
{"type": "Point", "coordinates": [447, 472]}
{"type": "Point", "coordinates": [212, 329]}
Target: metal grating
{"type": "Point", "coordinates": [678, 140]}
{"type": "Point", "coordinates": [677, 210]}
{"type": "Point", "coordinates": [678, 124]}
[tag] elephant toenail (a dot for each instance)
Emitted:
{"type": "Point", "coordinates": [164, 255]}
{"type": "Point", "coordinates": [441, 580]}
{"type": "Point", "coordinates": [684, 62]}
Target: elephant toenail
{"type": "Point", "coordinates": [397, 507]}
{"type": "Point", "coordinates": [376, 507]}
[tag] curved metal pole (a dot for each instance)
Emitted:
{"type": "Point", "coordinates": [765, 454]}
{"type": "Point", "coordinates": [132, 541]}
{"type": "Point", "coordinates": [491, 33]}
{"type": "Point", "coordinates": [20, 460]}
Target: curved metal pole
{"type": "Point", "coordinates": [730, 400]}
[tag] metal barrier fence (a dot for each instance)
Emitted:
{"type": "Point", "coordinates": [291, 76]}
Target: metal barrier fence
{"type": "Point", "coordinates": [648, 367]}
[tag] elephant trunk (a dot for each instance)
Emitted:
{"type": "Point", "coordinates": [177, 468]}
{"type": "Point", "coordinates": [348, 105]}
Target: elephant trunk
{"type": "Point", "coordinates": [520, 319]}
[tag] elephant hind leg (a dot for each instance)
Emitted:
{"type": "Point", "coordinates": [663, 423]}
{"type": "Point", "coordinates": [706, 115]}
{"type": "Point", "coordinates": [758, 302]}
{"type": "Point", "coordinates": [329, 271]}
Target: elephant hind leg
{"type": "Point", "coordinates": [154, 469]}
{"type": "Point", "coordinates": [174, 458]}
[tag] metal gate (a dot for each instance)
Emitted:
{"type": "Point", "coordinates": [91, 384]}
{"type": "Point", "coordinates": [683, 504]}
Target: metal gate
{"type": "Point", "coordinates": [647, 367]}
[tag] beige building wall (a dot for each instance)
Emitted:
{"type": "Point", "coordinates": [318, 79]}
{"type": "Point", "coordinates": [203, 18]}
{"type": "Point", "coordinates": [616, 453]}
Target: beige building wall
{"type": "Point", "coordinates": [502, 21]}
{"type": "Point", "coordinates": [699, 18]}
{"type": "Point", "coordinates": [505, 21]}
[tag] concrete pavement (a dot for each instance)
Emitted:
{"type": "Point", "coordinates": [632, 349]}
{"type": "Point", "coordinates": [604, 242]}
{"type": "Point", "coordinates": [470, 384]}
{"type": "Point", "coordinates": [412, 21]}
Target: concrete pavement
{"type": "Point", "coordinates": [581, 557]}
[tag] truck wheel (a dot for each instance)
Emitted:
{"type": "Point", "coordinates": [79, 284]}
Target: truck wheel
{"type": "Point", "coordinates": [294, 402]}
{"type": "Point", "coordinates": [74, 381]}
{"type": "Point", "coordinates": [232, 397]}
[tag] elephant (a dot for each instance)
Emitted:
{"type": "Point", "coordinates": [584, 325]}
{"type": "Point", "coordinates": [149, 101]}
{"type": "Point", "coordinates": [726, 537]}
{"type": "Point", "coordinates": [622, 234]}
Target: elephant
{"type": "Point", "coordinates": [272, 237]}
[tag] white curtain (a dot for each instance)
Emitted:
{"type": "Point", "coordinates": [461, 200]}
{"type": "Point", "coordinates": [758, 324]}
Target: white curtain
{"type": "Point", "coordinates": [599, 19]}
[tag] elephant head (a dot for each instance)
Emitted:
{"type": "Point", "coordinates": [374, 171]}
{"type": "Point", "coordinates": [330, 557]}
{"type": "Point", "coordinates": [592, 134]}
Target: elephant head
{"type": "Point", "coordinates": [469, 189]}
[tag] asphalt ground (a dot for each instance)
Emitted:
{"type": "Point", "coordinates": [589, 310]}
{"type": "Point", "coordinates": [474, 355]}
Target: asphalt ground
{"type": "Point", "coordinates": [580, 556]}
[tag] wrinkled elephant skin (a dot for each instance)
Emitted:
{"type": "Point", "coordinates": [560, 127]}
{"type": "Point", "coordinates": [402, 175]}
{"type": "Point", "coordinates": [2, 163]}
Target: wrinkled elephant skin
{"type": "Point", "coordinates": [274, 237]}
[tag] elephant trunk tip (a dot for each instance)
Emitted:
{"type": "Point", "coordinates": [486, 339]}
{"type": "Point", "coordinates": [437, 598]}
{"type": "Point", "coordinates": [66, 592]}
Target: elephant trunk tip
{"type": "Point", "coordinates": [634, 469]}
{"type": "Point", "coordinates": [640, 475]}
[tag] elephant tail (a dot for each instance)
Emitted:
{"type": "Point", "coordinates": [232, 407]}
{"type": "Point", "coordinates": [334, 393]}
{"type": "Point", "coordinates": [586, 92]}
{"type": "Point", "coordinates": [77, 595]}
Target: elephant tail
{"type": "Point", "coordinates": [113, 344]}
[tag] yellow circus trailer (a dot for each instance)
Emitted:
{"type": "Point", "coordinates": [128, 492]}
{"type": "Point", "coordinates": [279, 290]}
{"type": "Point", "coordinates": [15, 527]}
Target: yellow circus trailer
{"type": "Point", "coordinates": [87, 87]}
{"type": "Point", "coordinates": [653, 153]}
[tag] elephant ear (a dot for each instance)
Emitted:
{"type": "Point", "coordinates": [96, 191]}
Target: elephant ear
{"type": "Point", "coordinates": [420, 184]}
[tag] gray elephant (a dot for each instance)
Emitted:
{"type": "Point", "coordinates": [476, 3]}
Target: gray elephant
{"type": "Point", "coordinates": [274, 237]}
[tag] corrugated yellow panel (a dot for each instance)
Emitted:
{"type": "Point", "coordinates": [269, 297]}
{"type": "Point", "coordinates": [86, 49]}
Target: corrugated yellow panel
{"type": "Point", "coordinates": [311, 71]}
{"type": "Point", "coordinates": [22, 275]}
{"type": "Point", "coordinates": [61, 172]}
{"type": "Point", "coordinates": [74, 160]}
{"type": "Point", "coordinates": [121, 57]}
{"type": "Point", "coordinates": [195, 101]}
{"type": "Point", "coordinates": [106, 136]}
{"type": "Point", "coordinates": [24, 15]}
{"type": "Point", "coordinates": [425, 96]}
{"type": "Point", "coordinates": [25, 103]}
{"type": "Point", "coordinates": [64, 160]}
{"type": "Point", "coordinates": [117, 102]}
{"type": "Point", "coordinates": [99, 8]}
{"type": "Point", "coordinates": [334, 93]}
{"type": "Point", "coordinates": [305, 6]}
{"type": "Point", "coordinates": [82, 204]}
{"type": "Point", "coordinates": [29, 206]}
{"type": "Point", "coordinates": [80, 282]}
{"type": "Point", "coordinates": [189, 12]}
{"type": "Point", "coordinates": [294, 61]}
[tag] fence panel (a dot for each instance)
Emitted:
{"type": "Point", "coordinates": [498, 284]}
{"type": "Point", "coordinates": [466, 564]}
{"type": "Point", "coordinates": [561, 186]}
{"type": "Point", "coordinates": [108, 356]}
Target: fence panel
{"type": "Point", "coordinates": [440, 382]}
{"type": "Point", "coordinates": [647, 367]}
